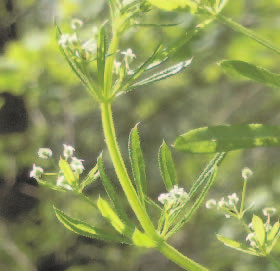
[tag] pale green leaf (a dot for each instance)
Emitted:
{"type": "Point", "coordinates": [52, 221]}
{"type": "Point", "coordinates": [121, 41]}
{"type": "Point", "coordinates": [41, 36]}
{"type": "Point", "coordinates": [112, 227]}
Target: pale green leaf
{"type": "Point", "coordinates": [68, 172]}
{"type": "Point", "coordinates": [172, 5]}
{"type": "Point", "coordinates": [250, 71]}
{"type": "Point", "coordinates": [272, 233]}
{"type": "Point", "coordinates": [91, 177]}
{"type": "Point", "coordinates": [85, 229]}
{"type": "Point", "coordinates": [137, 164]}
{"type": "Point", "coordinates": [142, 240]}
{"type": "Point", "coordinates": [259, 229]}
{"type": "Point", "coordinates": [167, 167]}
{"type": "Point", "coordinates": [228, 137]}
{"type": "Point", "coordinates": [237, 246]}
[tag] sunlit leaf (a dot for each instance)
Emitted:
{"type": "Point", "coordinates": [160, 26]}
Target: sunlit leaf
{"type": "Point", "coordinates": [272, 233]}
{"type": "Point", "coordinates": [251, 71]}
{"type": "Point", "coordinates": [85, 229]}
{"type": "Point", "coordinates": [259, 229]}
{"type": "Point", "coordinates": [237, 246]}
{"type": "Point", "coordinates": [228, 137]}
{"type": "Point", "coordinates": [111, 191]}
{"type": "Point", "coordinates": [171, 5]}
{"type": "Point", "coordinates": [162, 75]}
{"type": "Point", "coordinates": [67, 172]}
{"type": "Point", "coordinates": [137, 163]}
{"type": "Point", "coordinates": [167, 167]}
{"type": "Point", "coordinates": [113, 218]}
{"type": "Point", "coordinates": [90, 178]}
{"type": "Point", "coordinates": [142, 240]}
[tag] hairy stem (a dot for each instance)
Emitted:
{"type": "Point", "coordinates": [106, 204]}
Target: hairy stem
{"type": "Point", "coordinates": [115, 154]}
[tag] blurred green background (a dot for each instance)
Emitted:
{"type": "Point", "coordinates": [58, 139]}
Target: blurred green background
{"type": "Point", "coordinates": [60, 112]}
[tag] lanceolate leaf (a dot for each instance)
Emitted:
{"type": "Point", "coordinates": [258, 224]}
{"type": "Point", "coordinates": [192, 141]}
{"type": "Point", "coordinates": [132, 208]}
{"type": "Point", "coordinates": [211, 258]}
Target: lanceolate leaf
{"type": "Point", "coordinates": [256, 73]}
{"type": "Point", "coordinates": [259, 229]}
{"type": "Point", "coordinates": [67, 172]}
{"type": "Point", "coordinates": [227, 138]}
{"type": "Point", "coordinates": [76, 67]}
{"type": "Point", "coordinates": [101, 55]}
{"type": "Point", "coordinates": [90, 178]}
{"type": "Point", "coordinates": [237, 246]}
{"type": "Point", "coordinates": [85, 229]}
{"type": "Point", "coordinates": [137, 164]}
{"type": "Point", "coordinates": [111, 190]}
{"type": "Point", "coordinates": [171, 5]}
{"type": "Point", "coordinates": [163, 74]}
{"type": "Point", "coordinates": [113, 218]}
{"type": "Point", "coordinates": [167, 167]}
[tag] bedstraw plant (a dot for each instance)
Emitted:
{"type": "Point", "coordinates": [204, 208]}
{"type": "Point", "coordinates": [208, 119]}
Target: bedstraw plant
{"type": "Point", "coordinates": [116, 75]}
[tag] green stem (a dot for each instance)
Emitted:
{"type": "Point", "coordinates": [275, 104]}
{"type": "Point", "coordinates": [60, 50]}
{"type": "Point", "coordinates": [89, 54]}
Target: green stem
{"type": "Point", "coordinates": [241, 29]}
{"type": "Point", "coordinates": [111, 141]}
{"type": "Point", "coordinates": [243, 198]}
{"type": "Point", "coordinates": [175, 256]}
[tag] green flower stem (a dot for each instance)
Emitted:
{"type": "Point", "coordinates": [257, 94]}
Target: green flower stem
{"type": "Point", "coordinates": [241, 29]}
{"type": "Point", "coordinates": [243, 198]}
{"type": "Point", "coordinates": [175, 256]}
{"type": "Point", "coordinates": [111, 141]}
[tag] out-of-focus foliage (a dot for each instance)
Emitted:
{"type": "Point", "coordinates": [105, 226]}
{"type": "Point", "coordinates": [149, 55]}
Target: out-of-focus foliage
{"type": "Point", "coordinates": [201, 96]}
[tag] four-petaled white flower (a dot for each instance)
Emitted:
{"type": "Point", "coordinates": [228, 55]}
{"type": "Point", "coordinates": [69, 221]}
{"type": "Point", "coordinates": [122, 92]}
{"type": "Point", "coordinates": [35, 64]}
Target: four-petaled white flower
{"type": "Point", "coordinates": [76, 23]}
{"type": "Point", "coordinates": [68, 151]}
{"type": "Point", "coordinates": [269, 211]}
{"type": "Point", "coordinates": [246, 173]}
{"type": "Point", "coordinates": [45, 153]}
{"type": "Point", "coordinates": [233, 199]}
{"type": "Point", "coordinates": [36, 172]}
{"type": "Point", "coordinates": [211, 203]}
{"type": "Point", "coordinates": [77, 165]}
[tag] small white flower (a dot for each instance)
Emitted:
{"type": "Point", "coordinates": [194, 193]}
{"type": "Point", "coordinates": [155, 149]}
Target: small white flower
{"type": "Point", "coordinates": [45, 153]}
{"type": "Point", "coordinates": [76, 23]}
{"type": "Point", "coordinates": [233, 199]}
{"type": "Point", "coordinates": [246, 173]}
{"type": "Point", "coordinates": [269, 211]}
{"type": "Point", "coordinates": [36, 172]}
{"type": "Point", "coordinates": [250, 225]}
{"type": "Point", "coordinates": [90, 46]}
{"type": "Point", "coordinates": [252, 238]}
{"type": "Point", "coordinates": [178, 193]}
{"type": "Point", "coordinates": [68, 151]}
{"type": "Point", "coordinates": [77, 165]}
{"type": "Point", "coordinates": [62, 183]}
{"type": "Point", "coordinates": [164, 198]}
{"type": "Point", "coordinates": [211, 203]}
{"type": "Point", "coordinates": [222, 203]}
{"type": "Point", "coordinates": [66, 39]}
{"type": "Point", "coordinates": [128, 58]}
{"type": "Point", "coordinates": [117, 66]}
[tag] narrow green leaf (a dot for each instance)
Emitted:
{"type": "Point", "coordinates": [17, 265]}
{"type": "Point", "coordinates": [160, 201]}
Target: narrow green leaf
{"type": "Point", "coordinates": [206, 173]}
{"type": "Point", "coordinates": [68, 172]}
{"type": "Point", "coordinates": [256, 73]}
{"type": "Point", "coordinates": [272, 233]}
{"type": "Point", "coordinates": [237, 246]}
{"type": "Point", "coordinates": [259, 229]}
{"type": "Point", "coordinates": [228, 137]}
{"type": "Point", "coordinates": [163, 74]}
{"type": "Point", "coordinates": [153, 61]}
{"type": "Point", "coordinates": [76, 67]}
{"type": "Point", "coordinates": [172, 5]}
{"type": "Point", "coordinates": [142, 240]}
{"type": "Point", "coordinates": [167, 167]}
{"type": "Point", "coordinates": [90, 178]}
{"type": "Point", "coordinates": [111, 191]}
{"type": "Point", "coordinates": [113, 218]}
{"type": "Point", "coordinates": [137, 163]}
{"type": "Point", "coordinates": [85, 229]}
{"type": "Point", "coordinates": [101, 55]}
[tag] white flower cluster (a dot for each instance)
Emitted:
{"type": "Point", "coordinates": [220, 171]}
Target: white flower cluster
{"type": "Point", "coordinates": [175, 196]}
{"type": "Point", "coordinates": [68, 152]}
{"type": "Point", "coordinates": [82, 50]}
{"type": "Point", "coordinates": [128, 57]}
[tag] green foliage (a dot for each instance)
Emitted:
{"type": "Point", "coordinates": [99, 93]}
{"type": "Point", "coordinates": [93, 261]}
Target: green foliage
{"type": "Point", "coordinates": [228, 138]}
{"type": "Point", "coordinates": [250, 71]}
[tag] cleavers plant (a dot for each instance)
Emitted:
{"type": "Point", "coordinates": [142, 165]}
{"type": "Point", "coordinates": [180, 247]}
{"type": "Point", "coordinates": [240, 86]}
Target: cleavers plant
{"type": "Point", "coordinates": [115, 76]}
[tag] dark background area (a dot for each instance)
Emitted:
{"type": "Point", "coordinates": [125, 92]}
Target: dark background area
{"type": "Point", "coordinates": [42, 104]}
